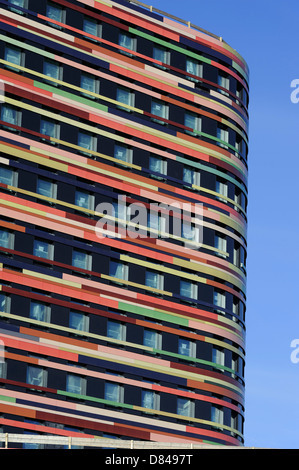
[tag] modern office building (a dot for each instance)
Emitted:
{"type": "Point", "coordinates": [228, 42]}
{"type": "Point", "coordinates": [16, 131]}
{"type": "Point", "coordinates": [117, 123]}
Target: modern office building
{"type": "Point", "coordinates": [117, 322]}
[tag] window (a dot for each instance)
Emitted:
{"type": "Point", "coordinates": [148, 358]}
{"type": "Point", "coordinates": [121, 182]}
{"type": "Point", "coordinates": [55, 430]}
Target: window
{"type": "Point", "coordinates": [218, 356]}
{"type": "Point", "coordinates": [86, 141]}
{"type": "Point", "coordinates": [125, 96]}
{"type": "Point", "coordinates": [154, 280]}
{"type": "Point", "coordinates": [223, 136]}
{"type": "Point", "coordinates": [238, 308]}
{"type": "Point", "coordinates": [36, 376]}
{"type": "Point", "coordinates": [8, 176]}
{"type": "Point", "coordinates": [18, 3]}
{"type": "Point", "coordinates": [239, 256]}
{"type": "Point", "coordinates": [128, 42]}
{"type": "Point", "coordinates": [123, 152]}
{"type": "Point", "coordinates": [157, 165]}
{"type": "Point", "coordinates": [193, 122]}
{"type": "Point", "coordinates": [55, 13]}
{"type": "Point", "coordinates": [190, 233]}
{"type": "Point", "coordinates": [152, 339]}
{"type": "Point", "coordinates": [217, 414]}
{"type": "Point", "coordinates": [237, 365]}
{"type": "Point", "coordinates": [188, 289]}
{"type": "Point", "coordinates": [220, 244]}
{"type": "Point", "coordinates": [15, 56]}
{"type": "Point", "coordinates": [39, 311]}
{"type": "Point", "coordinates": [53, 70]}
{"type": "Point", "coordinates": [92, 27]}
{"type": "Point", "coordinates": [191, 176]}
{"type": "Point", "coordinates": [79, 321]}
{"type": "Point", "coordinates": [43, 249]}
{"type": "Point", "coordinates": [160, 110]}
{"type": "Point", "coordinates": [6, 239]}
{"type": "Point", "coordinates": [118, 270]}
{"type": "Point", "coordinates": [81, 259]}
{"type": "Point", "coordinates": [89, 83]}
{"type": "Point", "coordinates": [223, 81]}
{"type": "Point", "coordinates": [157, 224]}
{"type": "Point", "coordinates": [219, 300]}
{"type": "Point", "coordinates": [240, 199]}
{"type": "Point", "coordinates": [46, 188]}
{"type": "Point", "coordinates": [185, 407]}
{"type": "Point", "coordinates": [4, 303]}
{"type": "Point", "coordinates": [11, 115]}
{"type": "Point", "coordinates": [49, 128]}
{"type": "Point", "coordinates": [150, 400]}
{"type": "Point", "coordinates": [186, 347]}
{"type": "Point", "coordinates": [194, 68]}
{"type": "Point", "coordinates": [162, 55]}
{"type": "Point", "coordinates": [84, 199]}
{"type": "Point", "coordinates": [114, 392]}
{"type": "Point", "coordinates": [116, 330]}
{"type": "Point", "coordinates": [221, 188]}
{"type": "Point", "coordinates": [75, 384]}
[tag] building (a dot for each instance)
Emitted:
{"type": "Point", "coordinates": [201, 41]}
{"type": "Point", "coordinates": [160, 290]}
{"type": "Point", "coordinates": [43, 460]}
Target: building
{"type": "Point", "coordinates": [115, 324]}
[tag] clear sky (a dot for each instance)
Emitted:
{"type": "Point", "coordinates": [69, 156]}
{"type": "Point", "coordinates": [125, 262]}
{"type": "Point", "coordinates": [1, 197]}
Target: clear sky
{"type": "Point", "coordinates": [266, 34]}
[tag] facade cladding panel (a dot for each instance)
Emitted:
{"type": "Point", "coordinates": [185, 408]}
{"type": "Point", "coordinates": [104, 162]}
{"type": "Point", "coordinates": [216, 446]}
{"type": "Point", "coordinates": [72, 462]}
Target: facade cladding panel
{"type": "Point", "coordinates": [106, 105]}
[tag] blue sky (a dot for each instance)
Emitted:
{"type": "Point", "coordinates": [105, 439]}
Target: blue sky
{"type": "Point", "coordinates": [265, 33]}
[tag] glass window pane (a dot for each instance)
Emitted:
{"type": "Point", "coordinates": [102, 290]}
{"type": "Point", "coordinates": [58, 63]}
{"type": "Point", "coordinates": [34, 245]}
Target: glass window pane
{"type": "Point", "coordinates": [186, 347]}
{"type": "Point", "coordinates": [35, 376]}
{"type": "Point", "coordinates": [42, 249]}
{"type": "Point", "coordinates": [6, 176]}
{"type": "Point", "coordinates": [85, 140]}
{"type": "Point", "coordinates": [9, 114]}
{"type": "Point", "coordinates": [74, 384]}
{"type": "Point", "coordinates": [90, 26]}
{"type": "Point", "coordinates": [4, 303]}
{"type": "Point", "coordinates": [112, 392]}
{"type": "Point", "coordinates": [78, 321]}
{"type": "Point", "coordinates": [88, 83]}
{"type": "Point", "coordinates": [148, 399]}
{"type": "Point", "coordinates": [5, 239]}
{"type": "Point", "coordinates": [125, 40]}
{"type": "Point", "coordinates": [117, 269]}
{"type": "Point", "coordinates": [54, 12]}
{"type": "Point", "coordinates": [13, 54]}
{"type": "Point", "coordinates": [39, 311]}
{"type": "Point", "coordinates": [82, 199]}
{"type": "Point", "coordinates": [184, 407]}
{"type": "Point", "coordinates": [45, 188]}
{"type": "Point", "coordinates": [114, 330]}
{"type": "Point", "coordinates": [150, 338]}
{"type": "Point", "coordinates": [159, 53]}
{"type": "Point", "coordinates": [159, 109]}
{"type": "Point", "coordinates": [121, 152]}
{"type": "Point", "coordinates": [51, 69]}
{"type": "Point", "coordinates": [80, 259]}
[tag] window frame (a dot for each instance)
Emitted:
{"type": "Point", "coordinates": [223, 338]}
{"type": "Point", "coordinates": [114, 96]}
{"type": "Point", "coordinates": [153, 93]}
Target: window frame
{"type": "Point", "coordinates": [11, 239]}
{"type": "Point", "coordinates": [163, 115]}
{"type": "Point", "coordinates": [87, 261]}
{"type": "Point", "coordinates": [50, 249]}
{"type": "Point", "coordinates": [46, 314]}
{"type": "Point", "coordinates": [121, 333]}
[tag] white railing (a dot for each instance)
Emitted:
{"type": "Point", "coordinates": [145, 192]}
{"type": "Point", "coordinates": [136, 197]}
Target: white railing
{"type": "Point", "coordinates": [72, 442]}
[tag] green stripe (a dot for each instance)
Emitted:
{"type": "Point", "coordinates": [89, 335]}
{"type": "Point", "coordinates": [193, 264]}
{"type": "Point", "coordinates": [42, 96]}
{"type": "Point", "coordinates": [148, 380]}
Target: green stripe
{"type": "Point", "coordinates": [153, 314]}
{"type": "Point", "coordinates": [70, 96]}
{"type": "Point", "coordinates": [169, 45]}
{"type": "Point", "coordinates": [11, 399]}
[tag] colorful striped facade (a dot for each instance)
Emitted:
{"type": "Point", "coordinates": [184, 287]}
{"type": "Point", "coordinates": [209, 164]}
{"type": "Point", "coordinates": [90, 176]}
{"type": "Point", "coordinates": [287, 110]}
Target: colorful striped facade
{"type": "Point", "coordinates": [138, 338]}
